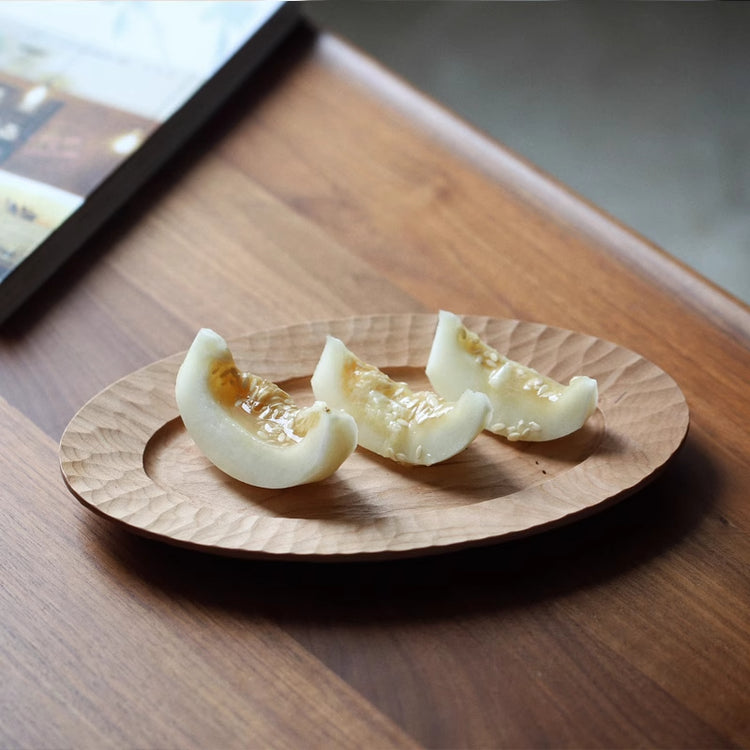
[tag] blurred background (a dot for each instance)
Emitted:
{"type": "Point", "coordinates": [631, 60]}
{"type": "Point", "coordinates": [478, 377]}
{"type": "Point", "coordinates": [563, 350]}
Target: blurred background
{"type": "Point", "coordinates": [641, 107]}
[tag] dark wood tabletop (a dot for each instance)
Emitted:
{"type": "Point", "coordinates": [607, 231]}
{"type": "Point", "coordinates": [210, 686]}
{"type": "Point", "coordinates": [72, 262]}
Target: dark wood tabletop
{"type": "Point", "coordinates": [329, 188]}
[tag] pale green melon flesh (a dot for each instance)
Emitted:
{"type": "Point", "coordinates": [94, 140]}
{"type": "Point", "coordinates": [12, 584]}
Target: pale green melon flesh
{"type": "Point", "coordinates": [392, 420]}
{"type": "Point", "coordinates": [250, 428]}
{"type": "Point", "coordinates": [526, 405]}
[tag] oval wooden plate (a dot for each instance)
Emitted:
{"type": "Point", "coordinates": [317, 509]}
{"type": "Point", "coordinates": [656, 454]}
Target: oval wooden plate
{"type": "Point", "coordinates": [126, 455]}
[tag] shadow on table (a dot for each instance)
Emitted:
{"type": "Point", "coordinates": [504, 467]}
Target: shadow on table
{"type": "Point", "coordinates": [519, 573]}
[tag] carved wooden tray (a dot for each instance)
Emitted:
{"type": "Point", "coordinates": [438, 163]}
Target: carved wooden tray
{"type": "Point", "coordinates": [127, 457]}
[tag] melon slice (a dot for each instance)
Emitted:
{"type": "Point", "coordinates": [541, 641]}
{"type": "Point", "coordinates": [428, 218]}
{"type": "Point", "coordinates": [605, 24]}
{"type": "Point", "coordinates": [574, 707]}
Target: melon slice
{"type": "Point", "coordinates": [526, 405]}
{"type": "Point", "coordinates": [250, 428]}
{"type": "Point", "coordinates": [393, 421]}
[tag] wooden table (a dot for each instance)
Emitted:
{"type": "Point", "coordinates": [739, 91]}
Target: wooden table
{"type": "Point", "coordinates": [329, 188]}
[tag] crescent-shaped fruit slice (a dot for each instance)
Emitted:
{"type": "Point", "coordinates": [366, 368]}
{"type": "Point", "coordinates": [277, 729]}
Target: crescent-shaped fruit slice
{"type": "Point", "coordinates": [526, 405]}
{"type": "Point", "coordinates": [392, 420]}
{"type": "Point", "coordinates": [250, 428]}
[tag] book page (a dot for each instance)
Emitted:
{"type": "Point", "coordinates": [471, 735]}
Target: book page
{"type": "Point", "coordinates": [84, 84]}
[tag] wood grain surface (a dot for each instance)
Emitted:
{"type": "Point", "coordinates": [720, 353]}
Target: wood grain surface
{"type": "Point", "coordinates": [72, 676]}
{"type": "Point", "coordinates": [327, 189]}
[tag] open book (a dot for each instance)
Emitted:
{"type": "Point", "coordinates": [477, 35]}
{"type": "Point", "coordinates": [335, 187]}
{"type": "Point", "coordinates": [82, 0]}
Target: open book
{"type": "Point", "coordinates": [94, 98]}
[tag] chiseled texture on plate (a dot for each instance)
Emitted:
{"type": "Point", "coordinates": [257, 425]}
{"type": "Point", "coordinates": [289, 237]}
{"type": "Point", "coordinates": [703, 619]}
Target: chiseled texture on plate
{"type": "Point", "coordinates": [126, 455]}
